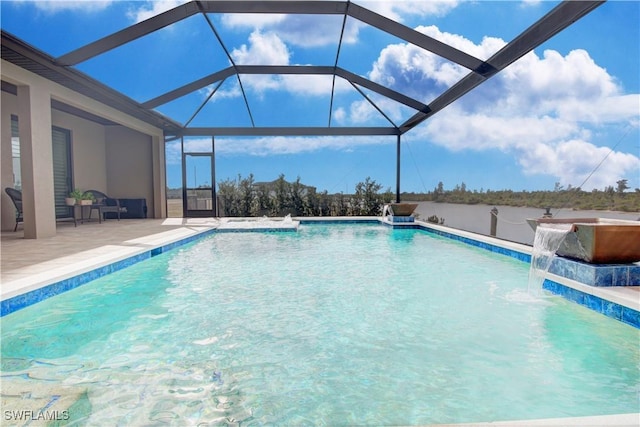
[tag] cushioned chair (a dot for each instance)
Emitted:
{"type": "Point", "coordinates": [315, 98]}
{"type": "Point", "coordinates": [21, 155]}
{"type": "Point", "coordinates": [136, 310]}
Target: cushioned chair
{"type": "Point", "coordinates": [104, 204]}
{"type": "Point", "coordinates": [16, 198]}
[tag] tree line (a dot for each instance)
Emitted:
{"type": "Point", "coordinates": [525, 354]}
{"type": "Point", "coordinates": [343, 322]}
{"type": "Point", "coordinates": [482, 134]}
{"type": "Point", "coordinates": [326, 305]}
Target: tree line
{"type": "Point", "coordinates": [610, 198]}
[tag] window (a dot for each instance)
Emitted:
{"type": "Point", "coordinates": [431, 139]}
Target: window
{"type": "Point", "coordinates": [15, 153]}
{"type": "Point", "coordinates": [62, 178]}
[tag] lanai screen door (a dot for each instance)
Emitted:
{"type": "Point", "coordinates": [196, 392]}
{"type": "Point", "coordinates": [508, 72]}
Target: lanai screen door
{"type": "Point", "coordinates": [198, 183]}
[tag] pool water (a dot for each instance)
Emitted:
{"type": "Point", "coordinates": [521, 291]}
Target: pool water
{"type": "Point", "coordinates": [332, 325]}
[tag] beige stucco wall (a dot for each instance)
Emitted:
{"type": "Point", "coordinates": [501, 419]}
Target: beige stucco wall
{"type": "Point", "coordinates": [129, 160]}
{"type": "Point", "coordinates": [88, 151]}
{"type": "Point", "coordinates": [125, 160]}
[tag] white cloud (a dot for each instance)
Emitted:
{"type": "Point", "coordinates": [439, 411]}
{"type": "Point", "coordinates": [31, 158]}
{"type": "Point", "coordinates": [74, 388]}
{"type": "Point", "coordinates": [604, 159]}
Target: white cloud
{"type": "Point", "coordinates": [339, 115]}
{"type": "Point", "coordinates": [297, 30]}
{"type": "Point", "coordinates": [319, 85]}
{"type": "Point", "coordinates": [546, 111]}
{"type": "Point", "coordinates": [149, 9]}
{"type": "Point", "coordinates": [361, 112]}
{"type": "Point", "coordinates": [610, 109]}
{"type": "Point", "coordinates": [293, 145]}
{"type": "Point", "coordinates": [252, 20]}
{"type": "Point", "coordinates": [541, 145]}
{"type": "Point", "coordinates": [421, 74]}
{"type": "Point", "coordinates": [573, 161]}
{"type": "Point", "coordinates": [264, 48]}
{"type": "Point", "coordinates": [530, 3]}
{"type": "Point", "coordinates": [272, 145]}
{"type": "Point", "coordinates": [458, 130]}
{"type": "Point", "coordinates": [54, 6]}
{"type": "Point", "coordinates": [397, 9]}
{"type": "Point", "coordinates": [229, 89]}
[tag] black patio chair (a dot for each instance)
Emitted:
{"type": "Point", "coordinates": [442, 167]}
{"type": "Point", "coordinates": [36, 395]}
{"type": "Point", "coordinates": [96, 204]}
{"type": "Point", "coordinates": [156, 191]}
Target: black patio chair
{"type": "Point", "coordinates": [16, 198]}
{"type": "Point", "coordinates": [104, 204]}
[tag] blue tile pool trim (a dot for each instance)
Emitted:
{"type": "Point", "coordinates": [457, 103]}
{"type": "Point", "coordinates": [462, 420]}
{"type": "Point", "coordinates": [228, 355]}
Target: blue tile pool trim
{"type": "Point", "coordinates": [483, 245]}
{"type": "Point", "coordinates": [401, 219]}
{"type": "Point", "coordinates": [18, 302]}
{"type": "Point", "coordinates": [597, 275]}
{"type": "Point", "coordinates": [610, 309]}
{"type": "Point", "coordinates": [24, 300]}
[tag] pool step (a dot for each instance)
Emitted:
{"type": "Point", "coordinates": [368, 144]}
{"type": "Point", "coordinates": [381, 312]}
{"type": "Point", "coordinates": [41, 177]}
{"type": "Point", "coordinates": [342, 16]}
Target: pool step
{"type": "Point", "coordinates": [259, 224]}
{"type": "Point", "coordinates": [39, 404]}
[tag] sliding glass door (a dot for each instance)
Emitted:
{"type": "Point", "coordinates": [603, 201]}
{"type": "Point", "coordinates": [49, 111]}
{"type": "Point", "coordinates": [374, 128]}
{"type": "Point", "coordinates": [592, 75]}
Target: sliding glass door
{"type": "Point", "coordinates": [62, 177]}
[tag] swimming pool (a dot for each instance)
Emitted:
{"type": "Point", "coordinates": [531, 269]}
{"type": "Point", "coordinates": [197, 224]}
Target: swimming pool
{"type": "Point", "coordinates": [342, 324]}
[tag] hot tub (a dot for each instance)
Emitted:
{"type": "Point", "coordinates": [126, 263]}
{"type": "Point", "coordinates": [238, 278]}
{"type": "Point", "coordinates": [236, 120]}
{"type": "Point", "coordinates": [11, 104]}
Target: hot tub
{"type": "Point", "coordinates": [598, 240]}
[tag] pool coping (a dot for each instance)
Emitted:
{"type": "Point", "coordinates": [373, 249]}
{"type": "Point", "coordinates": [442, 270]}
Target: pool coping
{"type": "Point", "coordinates": [56, 277]}
{"type": "Point", "coordinates": [617, 420]}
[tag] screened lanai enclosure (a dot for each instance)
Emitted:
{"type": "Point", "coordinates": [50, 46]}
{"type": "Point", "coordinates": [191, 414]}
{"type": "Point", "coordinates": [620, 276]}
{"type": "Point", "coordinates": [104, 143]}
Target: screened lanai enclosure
{"type": "Point", "coordinates": [207, 87]}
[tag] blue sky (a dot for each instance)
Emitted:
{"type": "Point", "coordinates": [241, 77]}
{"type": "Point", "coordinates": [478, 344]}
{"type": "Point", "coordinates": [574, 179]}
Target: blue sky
{"type": "Point", "coordinates": [565, 110]}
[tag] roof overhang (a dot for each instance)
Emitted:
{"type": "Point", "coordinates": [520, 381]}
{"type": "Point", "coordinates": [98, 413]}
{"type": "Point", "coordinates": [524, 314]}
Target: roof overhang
{"type": "Point", "coordinates": [31, 59]}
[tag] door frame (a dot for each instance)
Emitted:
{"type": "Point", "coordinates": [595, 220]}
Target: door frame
{"type": "Point", "coordinates": [199, 213]}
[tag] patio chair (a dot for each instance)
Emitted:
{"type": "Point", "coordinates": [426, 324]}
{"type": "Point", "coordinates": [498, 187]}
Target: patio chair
{"type": "Point", "coordinates": [16, 198]}
{"type": "Point", "coordinates": [104, 204]}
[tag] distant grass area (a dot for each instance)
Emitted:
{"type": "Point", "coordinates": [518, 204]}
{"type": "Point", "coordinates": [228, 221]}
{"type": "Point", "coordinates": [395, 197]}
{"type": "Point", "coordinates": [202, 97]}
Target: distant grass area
{"type": "Point", "coordinates": [564, 199]}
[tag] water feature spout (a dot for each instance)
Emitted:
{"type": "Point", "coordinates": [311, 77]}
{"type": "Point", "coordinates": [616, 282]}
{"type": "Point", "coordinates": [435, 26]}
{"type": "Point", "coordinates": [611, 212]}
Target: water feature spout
{"type": "Point", "coordinates": [548, 239]}
{"type": "Point", "coordinates": [597, 240]}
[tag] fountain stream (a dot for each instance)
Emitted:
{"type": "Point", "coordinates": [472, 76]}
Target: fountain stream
{"type": "Point", "coordinates": [547, 240]}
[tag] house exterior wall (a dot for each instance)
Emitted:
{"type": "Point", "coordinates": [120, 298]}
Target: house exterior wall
{"type": "Point", "coordinates": [88, 151]}
{"type": "Point", "coordinates": [126, 159]}
{"type": "Point", "coordinates": [129, 165]}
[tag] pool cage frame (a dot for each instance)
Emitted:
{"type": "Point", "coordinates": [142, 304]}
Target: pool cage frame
{"type": "Point", "coordinates": [62, 69]}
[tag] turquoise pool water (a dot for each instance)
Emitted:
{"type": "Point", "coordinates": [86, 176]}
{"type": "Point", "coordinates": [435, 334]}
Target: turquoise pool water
{"type": "Point", "coordinates": [333, 325]}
